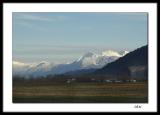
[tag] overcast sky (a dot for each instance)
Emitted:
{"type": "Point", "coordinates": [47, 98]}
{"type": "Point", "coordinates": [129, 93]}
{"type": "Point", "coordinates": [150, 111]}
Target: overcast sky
{"type": "Point", "coordinates": [62, 37]}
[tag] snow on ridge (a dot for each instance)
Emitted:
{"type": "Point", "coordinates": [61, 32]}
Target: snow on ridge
{"type": "Point", "coordinates": [110, 53]}
{"type": "Point", "coordinates": [16, 63]}
{"type": "Point", "coordinates": [124, 52]}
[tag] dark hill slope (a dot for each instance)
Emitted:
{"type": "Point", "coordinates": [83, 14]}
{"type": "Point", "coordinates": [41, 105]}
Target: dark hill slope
{"type": "Point", "coordinates": [134, 64]}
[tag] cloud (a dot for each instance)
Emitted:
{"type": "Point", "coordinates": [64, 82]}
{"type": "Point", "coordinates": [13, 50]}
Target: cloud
{"type": "Point", "coordinates": [33, 17]}
{"type": "Point", "coordinates": [34, 20]}
{"type": "Point", "coordinates": [24, 24]}
{"type": "Point", "coordinates": [39, 17]}
{"type": "Point", "coordinates": [30, 25]}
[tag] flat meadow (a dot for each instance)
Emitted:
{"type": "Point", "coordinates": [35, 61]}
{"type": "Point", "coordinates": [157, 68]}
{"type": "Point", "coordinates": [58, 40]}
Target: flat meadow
{"type": "Point", "coordinates": [48, 92]}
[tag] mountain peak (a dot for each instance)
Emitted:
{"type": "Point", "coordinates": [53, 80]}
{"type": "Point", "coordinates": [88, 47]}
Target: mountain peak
{"type": "Point", "coordinates": [88, 54]}
{"type": "Point", "coordinates": [110, 53]}
{"type": "Point", "coordinates": [122, 53]}
{"type": "Point", "coordinates": [43, 63]}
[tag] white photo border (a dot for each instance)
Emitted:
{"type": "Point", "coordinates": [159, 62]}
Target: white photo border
{"type": "Point", "coordinates": [150, 8]}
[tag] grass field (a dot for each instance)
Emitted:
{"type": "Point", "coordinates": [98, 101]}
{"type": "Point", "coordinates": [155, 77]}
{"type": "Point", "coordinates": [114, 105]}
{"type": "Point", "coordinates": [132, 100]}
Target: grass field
{"type": "Point", "coordinates": [80, 92]}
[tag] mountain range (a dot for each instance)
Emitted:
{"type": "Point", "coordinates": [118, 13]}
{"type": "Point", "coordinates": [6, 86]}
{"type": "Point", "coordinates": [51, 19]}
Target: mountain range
{"type": "Point", "coordinates": [88, 62]}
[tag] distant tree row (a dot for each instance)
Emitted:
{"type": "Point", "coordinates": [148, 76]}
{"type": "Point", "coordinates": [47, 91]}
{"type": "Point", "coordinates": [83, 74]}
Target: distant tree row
{"type": "Point", "coordinates": [77, 78]}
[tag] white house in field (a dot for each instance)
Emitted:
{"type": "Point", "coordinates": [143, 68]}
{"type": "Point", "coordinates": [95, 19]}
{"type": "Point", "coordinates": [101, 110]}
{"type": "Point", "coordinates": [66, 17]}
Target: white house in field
{"type": "Point", "coordinates": [108, 81]}
{"type": "Point", "coordinates": [118, 81]}
{"type": "Point", "coordinates": [133, 80]}
{"type": "Point", "coordinates": [71, 80]}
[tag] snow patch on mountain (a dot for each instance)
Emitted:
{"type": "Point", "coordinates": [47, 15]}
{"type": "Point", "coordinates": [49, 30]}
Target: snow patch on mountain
{"type": "Point", "coordinates": [110, 53]}
{"type": "Point", "coordinates": [123, 53]}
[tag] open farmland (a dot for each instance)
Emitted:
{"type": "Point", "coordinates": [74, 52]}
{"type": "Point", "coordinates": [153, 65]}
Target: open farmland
{"type": "Point", "coordinates": [48, 92]}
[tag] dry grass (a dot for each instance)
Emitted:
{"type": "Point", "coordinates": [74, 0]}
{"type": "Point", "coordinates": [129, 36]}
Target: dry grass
{"type": "Point", "coordinates": [83, 92]}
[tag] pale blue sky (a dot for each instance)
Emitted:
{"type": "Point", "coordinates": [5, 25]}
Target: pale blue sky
{"type": "Point", "coordinates": [62, 37]}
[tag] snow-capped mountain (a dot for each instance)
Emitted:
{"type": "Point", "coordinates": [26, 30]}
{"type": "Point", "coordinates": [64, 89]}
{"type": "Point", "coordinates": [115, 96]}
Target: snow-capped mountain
{"type": "Point", "coordinates": [91, 60]}
{"type": "Point", "coordinates": [40, 68]}
{"type": "Point", "coordinates": [87, 61]}
{"type": "Point", "coordinates": [19, 67]}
